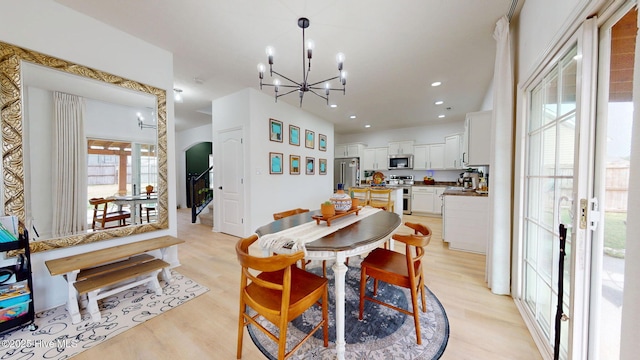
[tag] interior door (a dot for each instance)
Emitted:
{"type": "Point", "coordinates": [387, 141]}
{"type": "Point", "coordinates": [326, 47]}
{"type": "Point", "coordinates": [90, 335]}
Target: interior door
{"type": "Point", "coordinates": [232, 182]}
{"type": "Point", "coordinates": [556, 188]}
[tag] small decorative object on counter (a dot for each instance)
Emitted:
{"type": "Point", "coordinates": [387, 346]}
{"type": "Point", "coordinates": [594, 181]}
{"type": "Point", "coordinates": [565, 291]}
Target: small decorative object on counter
{"type": "Point", "coordinates": [327, 209]}
{"type": "Point", "coordinates": [341, 201]}
{"type": "Point", "coordinates": [354, 203]}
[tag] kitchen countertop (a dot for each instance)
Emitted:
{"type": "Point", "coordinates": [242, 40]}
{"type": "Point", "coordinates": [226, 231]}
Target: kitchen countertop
{"type": "Point", "coordinates": [463, 193]}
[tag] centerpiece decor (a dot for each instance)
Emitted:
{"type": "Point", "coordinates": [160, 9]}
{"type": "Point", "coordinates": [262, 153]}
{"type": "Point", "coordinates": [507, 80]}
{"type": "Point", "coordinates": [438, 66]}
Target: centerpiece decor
{"type": "Point", "coordinates": [327, 209]}
{"type": "Point", "coordinates": [341, 201]}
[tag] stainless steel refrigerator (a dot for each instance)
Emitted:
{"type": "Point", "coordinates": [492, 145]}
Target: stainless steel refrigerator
{"type": "Point", "coordinates": [347, 172]}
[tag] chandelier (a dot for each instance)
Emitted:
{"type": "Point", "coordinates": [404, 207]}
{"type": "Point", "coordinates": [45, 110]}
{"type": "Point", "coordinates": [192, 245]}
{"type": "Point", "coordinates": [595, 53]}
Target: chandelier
{"type": "Point", "coordinates": [303, 86]}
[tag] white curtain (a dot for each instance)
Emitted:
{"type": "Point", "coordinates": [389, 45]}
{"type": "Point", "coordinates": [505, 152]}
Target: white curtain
{"type": "Point", "coordinates": [629, 344]}
{"type": "Point", "coordinates": [500, 167]}
{"type": "Point", "coordinates": [69, 178]}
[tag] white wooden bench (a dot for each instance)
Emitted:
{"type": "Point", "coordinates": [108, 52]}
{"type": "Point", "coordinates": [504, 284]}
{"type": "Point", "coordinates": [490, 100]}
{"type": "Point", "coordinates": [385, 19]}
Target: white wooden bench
{"type": "Point", "coordinates": [105, 272]}
{"type": "Point", "coordinates": [99, 286]}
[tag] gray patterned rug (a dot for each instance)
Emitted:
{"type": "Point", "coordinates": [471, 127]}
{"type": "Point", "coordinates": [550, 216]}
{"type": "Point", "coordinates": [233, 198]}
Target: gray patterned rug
{"type": "Point", "coordinates": [383, 333]}
{"type": "Point", "coordinates": [57, 338]}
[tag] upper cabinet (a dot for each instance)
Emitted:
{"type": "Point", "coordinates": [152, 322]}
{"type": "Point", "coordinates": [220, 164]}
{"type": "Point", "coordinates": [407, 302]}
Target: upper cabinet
{"type": "Point", "coordinates": [401, 147]}
{"type": "Point", "coordinates": [375, 159]}
{"type": "Point", "coordinates": [477, 139]}
{"type": "Point", "coordinates": [453, 152]}
{"type": "Point", "coordinates": [428, 157]}
{"type": "Point", "coordinates": [349, 150]}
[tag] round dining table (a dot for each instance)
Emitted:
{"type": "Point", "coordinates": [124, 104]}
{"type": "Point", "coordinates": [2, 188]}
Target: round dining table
{"type": "Point", "coordinates": [355, 239]}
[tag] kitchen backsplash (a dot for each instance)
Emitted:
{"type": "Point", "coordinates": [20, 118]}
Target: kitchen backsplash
{"type": "Point", "coordinates": [437, 175]}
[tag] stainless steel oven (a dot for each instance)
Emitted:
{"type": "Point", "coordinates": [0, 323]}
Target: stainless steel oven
{"type": "Point", "coordinates": [406, 182]}
{"type": "Point", "coordinates": [406, 199]}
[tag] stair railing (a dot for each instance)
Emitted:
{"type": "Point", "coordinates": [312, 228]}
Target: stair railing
{"type": "Point", "coordinates": [201, 193]}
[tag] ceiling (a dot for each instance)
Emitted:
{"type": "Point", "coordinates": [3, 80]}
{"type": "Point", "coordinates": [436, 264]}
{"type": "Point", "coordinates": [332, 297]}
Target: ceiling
{"type": "Point", "coordinates": [394, 51]}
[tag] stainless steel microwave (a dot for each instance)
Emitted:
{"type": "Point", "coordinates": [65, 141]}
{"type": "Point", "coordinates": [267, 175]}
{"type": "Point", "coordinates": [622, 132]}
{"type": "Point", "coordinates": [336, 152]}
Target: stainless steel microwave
{"type": "Point", "coordinates": [397, 162]}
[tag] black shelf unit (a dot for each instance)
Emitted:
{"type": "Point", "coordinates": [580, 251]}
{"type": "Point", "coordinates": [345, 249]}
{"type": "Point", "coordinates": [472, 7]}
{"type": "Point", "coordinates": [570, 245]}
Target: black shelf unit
{"type": "Point", "coordinates": [22, 273]}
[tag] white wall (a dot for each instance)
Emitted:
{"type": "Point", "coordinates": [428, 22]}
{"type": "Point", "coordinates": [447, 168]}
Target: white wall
{"type": "Point", "coordinates": [50, 28]}
{"type": "Point", "coordinates": [266, 193]}
{"type": "Point", "coordinates": [185, 140]}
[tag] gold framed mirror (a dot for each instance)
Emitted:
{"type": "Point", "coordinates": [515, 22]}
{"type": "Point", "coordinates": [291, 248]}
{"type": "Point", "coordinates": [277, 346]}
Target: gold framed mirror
{"type": "Point", "coordinates": [13, 123]}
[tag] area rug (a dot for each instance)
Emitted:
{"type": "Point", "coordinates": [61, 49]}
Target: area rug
{"type": "Point", "coordinates": [57, 338]}
{"type": "Point", "coordinates": [383, 333]}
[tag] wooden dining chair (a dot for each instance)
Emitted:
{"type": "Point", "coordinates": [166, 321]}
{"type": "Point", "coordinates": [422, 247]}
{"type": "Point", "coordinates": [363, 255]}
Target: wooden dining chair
{"type": "Point", "coordinates": [148, 208]}
{"type": "Point", "coordinates": [404, 270]}
{"type": "Point", "coordinates": [287, 213]}
{"type": "Point", "coordinates": [362, 194]}
{"type": "Point", "coordinates": [381, 199]}
{"type": "Point", "coordinates": [279, 292]}
{"type": "Point", "coordinates": [103, 214]}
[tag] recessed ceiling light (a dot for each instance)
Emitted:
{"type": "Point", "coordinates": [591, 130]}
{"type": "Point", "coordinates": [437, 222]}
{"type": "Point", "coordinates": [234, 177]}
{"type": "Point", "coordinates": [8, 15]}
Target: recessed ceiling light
{"type": "Point", "coordinates": [441, 116]}
{"type": "Point", "coordinates": [352, 117]}
{"type": "Point", "coordinates": [367, 126]}
{"type": "Point", "coordinates": [439, 102]}
{"type": "Point", "coordinates": [333, 105]}
{"type": "Point", "coordinates": [437, 83]}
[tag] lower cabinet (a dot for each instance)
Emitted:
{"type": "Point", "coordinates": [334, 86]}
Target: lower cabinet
{"type": "Point", "coordinates": [426, 199]}
{"type": "Point", "coordinates": [465, 223]}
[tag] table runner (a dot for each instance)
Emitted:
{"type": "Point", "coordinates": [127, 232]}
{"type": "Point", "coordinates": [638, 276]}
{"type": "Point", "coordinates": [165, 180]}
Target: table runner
{"type": "Point", "coordinates": [295, 238]}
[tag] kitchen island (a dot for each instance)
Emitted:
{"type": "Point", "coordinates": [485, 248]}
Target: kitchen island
{"type": "Point", "coordinates": [465, 220]}
{"type": "Point", "coordinates": [396, 196]}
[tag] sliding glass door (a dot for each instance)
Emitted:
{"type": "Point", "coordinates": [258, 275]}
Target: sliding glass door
{"type": "Point", "coordinates": [555, 188]}
{"type": "Point", "coordinates": [613, 151]}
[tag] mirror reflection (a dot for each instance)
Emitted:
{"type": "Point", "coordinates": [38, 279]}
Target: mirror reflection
{"type": "Point", "coordinates": [101, 144]}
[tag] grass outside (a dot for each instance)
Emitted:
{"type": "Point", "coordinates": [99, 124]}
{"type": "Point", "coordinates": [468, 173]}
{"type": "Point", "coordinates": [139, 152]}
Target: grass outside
{"type": "Point", "coordinates": [615, 229]}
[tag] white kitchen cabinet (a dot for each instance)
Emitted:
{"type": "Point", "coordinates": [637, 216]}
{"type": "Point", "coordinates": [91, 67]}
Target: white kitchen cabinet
{"type": "Point", "coordinates": [349, 150]}
{"type": "Point", "coordinates": [401, 147]}
{"type": "Point", "coordinates": [427, 157]}
{"type": "Point", "coordinates": [426, 199]}
{"type": "Point", "coordinates": [477, 139]}
{"type": "Point", "coordinates": [465, 223]}
{"type": "Point", "coordinates": [375, 159]}
{"type": "Point", "coordinates": [453, 152]}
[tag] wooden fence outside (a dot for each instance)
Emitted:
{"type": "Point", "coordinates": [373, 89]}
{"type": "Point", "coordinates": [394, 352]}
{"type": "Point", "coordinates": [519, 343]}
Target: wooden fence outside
{"type": "Point", "coordinates": [616, 187]}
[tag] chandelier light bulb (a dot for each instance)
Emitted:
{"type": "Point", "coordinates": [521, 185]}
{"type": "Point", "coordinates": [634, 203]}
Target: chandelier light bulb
{"type": "Point", "coordinates": [310, 46]}
{"type": "Point", "coordinates": [340, 60]}
{"type": "Point", "coordinates": [276, 84]}
{"type": "Point", "coordinates": [270, 52]}
{"type": "Point", "coordinates": [327, 87]}
{"type": "Point", "coordinates": [343, 77]}
{"type": "Point", "coordinates": [261, 69]}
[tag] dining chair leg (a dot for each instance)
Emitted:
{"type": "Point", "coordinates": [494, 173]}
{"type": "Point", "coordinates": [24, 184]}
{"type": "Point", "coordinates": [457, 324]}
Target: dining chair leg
{"type": "Point", "coordinates": [282, 338]}
{"type": "Point", "coordinates": [324, 269]}
{"type": "Point", "coordinates": [363, 285]}
{"type": "Point", "coordinates": [424, 300]}
{"type": "Point", "coordinates": [416, 314]}
{"type": "Point", "coordinates": [325, 315]}
{"type": "Point", "coordinates": [240, 330]}
{"type": "Point", "coordinates": [375, 287]}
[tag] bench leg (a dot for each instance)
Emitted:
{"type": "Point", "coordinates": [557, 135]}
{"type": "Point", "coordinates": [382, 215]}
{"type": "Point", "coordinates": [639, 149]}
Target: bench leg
{"type": "Point", "coordinates": [72, 298]}
{"type": "Point", "coordinates": [92, 305]}
{"type": "Point", "coordinates": [155, 285]}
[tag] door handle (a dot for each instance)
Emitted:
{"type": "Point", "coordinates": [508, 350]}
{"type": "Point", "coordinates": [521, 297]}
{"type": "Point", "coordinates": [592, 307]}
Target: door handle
{"type": "Point", "coordinates": [220, 187]}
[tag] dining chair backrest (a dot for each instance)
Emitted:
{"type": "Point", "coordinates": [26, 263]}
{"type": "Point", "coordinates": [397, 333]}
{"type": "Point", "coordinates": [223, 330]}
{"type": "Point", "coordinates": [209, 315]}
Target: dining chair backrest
{"type": "Point", "coordinates": [287, 213]}
{"type": "Point", "coordinates": [381, 198]}
{"type": "Point", "coordinates": [362, 194]}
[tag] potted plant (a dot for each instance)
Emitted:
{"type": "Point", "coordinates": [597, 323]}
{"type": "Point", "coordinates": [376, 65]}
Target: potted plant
{"type": "Point", "coordinates": [354, 201]}
{"type": "Point", "coordinates": [327, 209]}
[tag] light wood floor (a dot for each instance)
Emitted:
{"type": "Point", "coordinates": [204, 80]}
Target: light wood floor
{"type": "Point", "coordinates": [482, 325]}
